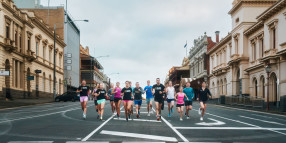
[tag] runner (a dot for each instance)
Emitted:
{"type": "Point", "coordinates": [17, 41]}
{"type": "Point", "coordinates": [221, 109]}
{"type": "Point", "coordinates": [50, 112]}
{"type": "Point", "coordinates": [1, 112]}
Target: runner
{"type": "Point", "coordinates": [130, 83]}
{"type": "Point", "coordinates": [190, 94]}
{"type": "Point", "coordinates": [101, 94]}
{"type": "Point", "coordinates": [138, 91]}
{"type": "Point", "coordinates": [95, 99]}
{"type": "Point", "coordinates": [159, 90]}
{"type": "Point", "coordinates": [149, 97]}
{"type": "Point", "coordinates": [203, 98]}
{"type": "Point", "coordinates": [111, 98]}
{"type": "Point", "coordinates": [170, 90]}
{"type": "Point", "coordinates": [126, 92]}
{"type": "Point", "coordinates": [117, 98]}
{"type": "Point", "coordinates": [180, 102]}
{"type": "Point", "coordinates": [84, 91]}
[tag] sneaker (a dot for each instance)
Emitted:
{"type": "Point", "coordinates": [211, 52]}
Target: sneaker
{"type": "Point", "coordinates": [139, 112]}
{"type": "Point", "coordinates": [114, 113]}
{"type": "Point", "coordinates": [137, 115]}
{"type": "Point", "coordinates": [181, 119]}
{"type": "Point", "coordinates": [158, 118]}
{"type": "Point", "coordinates": [171, 110]}
{"type": "Point", "coordinates": [151, 111]}
{"type": "Point", "coordinates": [188, 117]}
{"type": "Point", "coordinates": [169, 114]}
{"type": "Point", "coordinates": [148, 114]}
{"type": "Point", "coordinates": [185, 114]}
{"type": "Point", "coordinates": [200, 112]}
{"type": "Point", "coordinates": [97, 117]}
{"type": "Point", "coordinates": [126, 119]}
{"type": "Point", "coordinates": [117, 115]}
{"type": "Point", "coordinates": [201, 119]}
{"type": "Point", "coordinates": [84, 116]}
{"type": "Point", "coordinates": [129, 116]}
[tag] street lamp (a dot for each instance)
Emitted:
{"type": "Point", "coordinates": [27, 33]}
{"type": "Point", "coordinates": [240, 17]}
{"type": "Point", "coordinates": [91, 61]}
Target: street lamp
{"type": "Point", "coordinates": [54, 90]}
{"type": "Point", "coordinates": [268, 70]}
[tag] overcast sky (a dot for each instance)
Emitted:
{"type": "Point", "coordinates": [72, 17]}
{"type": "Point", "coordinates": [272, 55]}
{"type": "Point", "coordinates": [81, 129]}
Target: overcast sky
{"type": "Point", "coordinates": [145, 38]}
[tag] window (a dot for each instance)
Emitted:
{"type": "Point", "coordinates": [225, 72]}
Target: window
{"type": "Point", "coordinates": [274, 38]}
{"type": "Point", "coordinates": [29, 43]}
{"type": "Point", "coordinates": [261, 47]}
{"type": "Point", "coordinates": [16, 38]}
{"type": "Point", "coordinates": [198, 67]}
{"type": "Point", "coordinates": [230, 48]}
{"type": "Point", "coordinates": [8, 31]}
{"type": "Point", "coordinates": [20, 43]}
{"type": "Point", "coordinates": [37, 49]}
{"type": "Point", "coordinates": [60, 61]}
{"type": "Point", "coordinates": [237, 20]}
{"type": "Point", "coordinates": [50, 56]}
{"type": "Point", "coordinates": [254, 51]}
{"type": "Point", "coordinates": [50, 84]}
{"type": "Point", "coordinates": [44, 53]}
{"type": "Point", "coordinates": [44, 81]}
{"type": "Point", "coordinates": [17, 74]}
{"type": "Point", "coordinates": [236, 46]}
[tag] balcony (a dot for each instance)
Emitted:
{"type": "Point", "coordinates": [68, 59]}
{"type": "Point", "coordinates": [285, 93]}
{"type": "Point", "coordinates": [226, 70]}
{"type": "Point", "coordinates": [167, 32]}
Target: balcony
{"type": "Point", "coordinates": [30, 55]}
{"type": "Point", "coordinates": [220, 69]}
{"type": "Point", "coordinates": [270, 56]}
{"type": "Point", "coordinates": [9, 45]}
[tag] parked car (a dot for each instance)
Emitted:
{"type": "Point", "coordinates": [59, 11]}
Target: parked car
{"type": "Point", "coordinates": [67, 96]}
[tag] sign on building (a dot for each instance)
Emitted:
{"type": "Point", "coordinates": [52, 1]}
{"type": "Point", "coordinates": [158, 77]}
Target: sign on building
{"type": "Point", "coordinates": [30, 77]}
{"type": "Point", "coordinates": [4, 73]}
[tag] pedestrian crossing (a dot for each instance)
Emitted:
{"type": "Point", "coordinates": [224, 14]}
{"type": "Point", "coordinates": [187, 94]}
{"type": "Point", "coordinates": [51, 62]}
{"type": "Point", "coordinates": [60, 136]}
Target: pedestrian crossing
{"type": "Point", "coordinates": [101, 142]}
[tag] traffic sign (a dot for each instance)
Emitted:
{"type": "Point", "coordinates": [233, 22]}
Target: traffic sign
{"type": "Point", "coordinates": [30, 77]}
{"type": "Point", "coordinates": [4, 73]}
{"type": "Point", "coordinates": [38, 71]}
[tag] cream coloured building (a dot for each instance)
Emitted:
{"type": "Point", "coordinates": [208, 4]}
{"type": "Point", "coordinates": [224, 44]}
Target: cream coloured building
{"type": "Point", "coordinates": [26, 45]}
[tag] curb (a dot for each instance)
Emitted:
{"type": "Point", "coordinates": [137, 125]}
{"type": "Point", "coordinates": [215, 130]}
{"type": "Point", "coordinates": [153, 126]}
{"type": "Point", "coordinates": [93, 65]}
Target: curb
{"type": "Point", "coordinates": [26, 106]}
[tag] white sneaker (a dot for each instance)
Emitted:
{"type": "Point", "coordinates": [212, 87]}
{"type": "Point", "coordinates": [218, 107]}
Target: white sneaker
{"type": "Point", "coordinates": [201, 119]}
{"type": "Point", "coordinates": [151, 111]}
{"type": "Point", "coordinates": [200, 112]}
{"type": "Point", "coordinates": [188, 117]}
{"type": "Point", "coordinates": [84, 116]}
{"type": "Point", "coordinates": [148, 115]}
{"type": "Point", "coordinates": [181, 119]}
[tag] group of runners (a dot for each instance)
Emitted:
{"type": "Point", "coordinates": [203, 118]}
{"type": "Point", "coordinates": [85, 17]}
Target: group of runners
{"type": "Point", "coordinates": [130, 96]}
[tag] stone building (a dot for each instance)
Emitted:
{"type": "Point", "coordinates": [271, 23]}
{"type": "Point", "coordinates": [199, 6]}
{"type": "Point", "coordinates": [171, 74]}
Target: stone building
{"type": "Point", "coordinates": [257, 39]}
{"type": "Point", "coordinates": [26, 45]}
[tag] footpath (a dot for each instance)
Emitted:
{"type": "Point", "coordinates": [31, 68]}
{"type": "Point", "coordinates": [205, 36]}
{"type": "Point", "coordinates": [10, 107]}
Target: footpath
{"type": "Point", "coordinates": [23, 102]}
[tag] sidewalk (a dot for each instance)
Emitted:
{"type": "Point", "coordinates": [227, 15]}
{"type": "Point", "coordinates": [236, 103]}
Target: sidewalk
{"type": "Point", "coordinates": [23, 102]}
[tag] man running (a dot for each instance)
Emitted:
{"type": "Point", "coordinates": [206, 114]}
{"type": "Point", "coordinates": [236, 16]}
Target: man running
{"type": "Point", "coordinates": [149, 97]}
{"type": "Point", "coordinates": [159, 90]}
{"type": "Point", "coordinates": [117, 98]}
{"type": "Point", "coordinates": [170, 90]}
{"type": "Point", "coordinates": [126, 92]}
{"type": "Point", "coordinates": [203, 98]}
{"type": "Point", "coordinates": [180, 102]}
{"type": "Point", "coordinates": [190, 94]}
{"type": "Point", "coordinates": [111, 98]}
{"type": "Point", "coordinates": [138, 91]}
{"type": "Point", "coordinates": [84, 91]}
{"type": "Point", "coordinates": [101, 94]}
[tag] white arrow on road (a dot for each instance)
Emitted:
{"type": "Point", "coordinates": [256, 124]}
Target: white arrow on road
{"type": "Point", "coordinates": [216, 123]}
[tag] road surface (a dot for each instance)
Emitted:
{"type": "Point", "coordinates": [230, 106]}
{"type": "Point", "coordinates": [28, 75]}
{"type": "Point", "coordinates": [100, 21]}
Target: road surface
{"type": "Point", "coordinates": [62, 123]}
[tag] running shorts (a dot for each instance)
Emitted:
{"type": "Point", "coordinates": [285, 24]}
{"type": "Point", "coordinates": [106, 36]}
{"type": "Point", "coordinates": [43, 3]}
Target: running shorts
{"type": "Point", "coordinates": [148, 100]}
{"type": "Point", "coordinates": [117, 99]}
{"type": "Point", "coordinates": [100, 101]}
{"type": "Point", "coordinates": [126, 101]}
{"type": "Point", "coordinates": [179, 105]}
{"type": "Point", "coordinates": [159, 100]}
{"type": "Point", "coordinates": [83, 98]}
{"type": "Point", "coordinates": [170, 100]}
{"type": "Point", "coordinates": [138, 102]}
{"type": "Point", "coordinates": [95, 102]}
{"type": "Point", "coordinates": [204, 102]}
{"type": "Point", "coordinates": [188, 103]}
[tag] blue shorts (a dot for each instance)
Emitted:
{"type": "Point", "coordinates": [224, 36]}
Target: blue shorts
{"type": "Point", "coordinates": [148, 100]}
{"type": "Point", "coordinates": [138, 102]}
{"type": "Point", "coordinates": [170, 100]}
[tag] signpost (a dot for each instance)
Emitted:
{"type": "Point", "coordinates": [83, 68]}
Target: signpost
{"type": "Point", "coordinates": [4, 73]}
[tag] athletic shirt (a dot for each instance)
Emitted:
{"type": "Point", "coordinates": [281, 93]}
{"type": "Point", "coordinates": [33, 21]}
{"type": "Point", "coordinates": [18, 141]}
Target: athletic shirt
{"type": "Point", "coordinates": [83, 90]}
{"type": "Point", "coordinates": [101, 93]}
{"type": "Point", "coordinates": [117, 94]}
{"type": "Point", "coordinates": [148, 92]}
{"type": "Point", "coordinates": [203, 94]}
{"type": "Point", "coordinates": [127, 93]}
{"type": "Point", "coordinates": [158, 88]}
{"type": "Point", "coordinates": [137, 93]}
{"type": "Point", "coordinates": [189, 92]}
{"type": "Point", "coordinates": [180, 98]}
{"type": "Point", "coordinates": [171, 92]}
{"type": "Point", "coordinates": [110, 95]}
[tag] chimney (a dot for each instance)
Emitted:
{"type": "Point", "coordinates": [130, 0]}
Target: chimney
{"type": "Point", "coordinates": [217, 36]}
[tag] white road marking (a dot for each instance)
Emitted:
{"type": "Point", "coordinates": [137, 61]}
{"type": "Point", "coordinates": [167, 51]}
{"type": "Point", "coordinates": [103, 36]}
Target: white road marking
{"type": "Point", "coordinates": [30, 141]}
{"type": "Point", "coordinates": [262, 120]}
{"type": "Point", "coordinates": [140, 112]}
{"type": "Point", "coordinates": [142, 136]}
{"type": "Point", "coordinates": [30, 117]}
{"type": "Point", "coordinates": [229, 128]}
{"type": "Point", "coordinates": [98, 128]}
{"type": "Point", "coordinates": [143, 120]}
{"type": "Point", "coordinates": [216, 123]}
{"type": "Point", "coordinates": [175, 130]}
{"type": "Point", "coordinates": [261, 116]}
{"type": "Point", "coordinates": [86, 142]}
{"type": "Point", "coordinates": [141, 142]}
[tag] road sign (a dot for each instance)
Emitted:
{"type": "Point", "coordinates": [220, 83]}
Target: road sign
{"type": "Point", "coordinates": [38, 71]}
{"type": "Point", "coordinates": [4, 73]}
{"type": "Point", "coordinates": [30, 77]}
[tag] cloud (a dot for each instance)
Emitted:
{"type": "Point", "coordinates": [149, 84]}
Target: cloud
{"type": "Point", "coordinates": [145, 38]}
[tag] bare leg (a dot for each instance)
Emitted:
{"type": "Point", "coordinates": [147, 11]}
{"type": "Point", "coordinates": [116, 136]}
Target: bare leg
{"type": "Point", "coordinates": [182, 111]}
{"type": "Point", "coordinates": [157, 108]}
{"type": "Point", "coordinates": [204, 110]}
{"type": "Point", "coordinates": [126, 110]}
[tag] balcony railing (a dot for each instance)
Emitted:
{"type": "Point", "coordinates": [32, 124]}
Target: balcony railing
{"type": "Point", "coordinates": [30, 55]}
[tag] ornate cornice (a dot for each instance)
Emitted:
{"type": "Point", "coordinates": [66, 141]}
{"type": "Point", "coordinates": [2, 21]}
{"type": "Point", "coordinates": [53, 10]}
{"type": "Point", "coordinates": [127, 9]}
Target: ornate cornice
{"type": "Point", "coordinates": [240, 3]}
{"type": "Point", "coordinates": [272, 10]}
{"type": "Point", "coordinates": [220, 44]}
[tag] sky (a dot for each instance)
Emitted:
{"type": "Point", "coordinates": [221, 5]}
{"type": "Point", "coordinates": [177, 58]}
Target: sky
{"type": "Point", "coordinates": [145, 38]}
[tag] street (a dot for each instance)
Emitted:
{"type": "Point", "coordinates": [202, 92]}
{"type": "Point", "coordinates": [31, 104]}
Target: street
{"type": "Point", "coordinates": [62, 123]}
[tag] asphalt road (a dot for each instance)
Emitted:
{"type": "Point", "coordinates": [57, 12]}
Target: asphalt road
{"type": "Point", "coordinates": [62, 123]}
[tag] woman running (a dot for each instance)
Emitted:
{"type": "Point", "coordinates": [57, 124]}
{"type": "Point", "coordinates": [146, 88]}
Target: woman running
{"type": "Point", "coordinates": [83, 91]}
{"type": "Point", "coordinates": [180, 102]}
{"type": "Point", "coordinates": [117, 98]}
{"type": "Point", "coordinates": [95, 99]}
{"type": "Point", "coordinates": [203, 98]}
{"type": "Point", "coordinates": [170, 90]}
{"type": "Point", "coordinates": [126, 92]}
{"type": "Point", "coordinates": [111, 98]}
{"type": "Point", "coordinates": [101, 94]}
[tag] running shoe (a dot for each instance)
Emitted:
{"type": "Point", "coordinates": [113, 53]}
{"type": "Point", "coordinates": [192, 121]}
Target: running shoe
{"type": "Point", "coordinates": [139, 112]}
{"type": "Point", "coordinates": [129, 116]}
{"type": "Point", "coordinates": [200, 112]}
{"type": "Point", "coordinates": [84, 116]}
{"type": "Point", "coordinates": [201, 119]}
{"type": "Point", "coordinates": [126, 119]}
{"type": "Point", "coordinates": [169, 114]}
{"type": "Point", "coordinates": [117, 115]}
{"type": "Point", "coordinates": [158, 118]}
{"type": "Point", "coordinates": [188, 117]}
{"type": "Point", "coordinates": [148, 114]}
{"type": "Point", "coordinates": [181, 119]}
{"type": "Point", "coordinates": [151, 111]}
{"type": "Point", "coordinates": [97, 117]}
{"type": "Point", "coordinates": [171, 110]}
{"type": "Point", "coordinates": [137, 115]}
{"type": "Point", "coordinates": [185, 113]}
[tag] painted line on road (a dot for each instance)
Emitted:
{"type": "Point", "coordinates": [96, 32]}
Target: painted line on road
{"type": "Point", "coordinates": [86, 142]}
{"type": "Point", "coordinates": [175, 130]}
{"type": "Point", "coordinates": [141, 142]}
{"type": "Point", "coordinates": [143, 120]}
{"type": "Point", "coordinates": [140, 112]}
{"type": "Point", "coordinates": [98, 128]}
{"type": "Point", "coordinates": [229, 128]}
{"type": "Point", "coordinates": [142, 136]}
{"type": "Point", "coordinates": [23, 106]}
{"type": "Point", "coordinates": [261, 120]}
{"type": "Point", "coordinates": [30, 141]}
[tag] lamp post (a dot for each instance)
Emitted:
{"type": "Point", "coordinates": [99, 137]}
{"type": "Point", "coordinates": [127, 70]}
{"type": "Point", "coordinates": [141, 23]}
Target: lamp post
{"type": "Point", "coordinates": [54, 89]}
{"type": "Point", "coordinates": [268, 70]}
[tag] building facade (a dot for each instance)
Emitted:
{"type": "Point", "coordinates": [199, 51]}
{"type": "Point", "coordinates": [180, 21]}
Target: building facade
{"type": "Point", "coordinates": [66, 29]}
{"type": "Point", "coordinates": [26, 46]}
{"type": "Point", "coordinates": [257, 39]}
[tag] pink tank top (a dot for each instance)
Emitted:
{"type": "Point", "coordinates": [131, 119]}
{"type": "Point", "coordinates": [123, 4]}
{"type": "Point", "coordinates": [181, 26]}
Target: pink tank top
{"type": "Point", "coordinates": [180, 98]}
{"type": "Point", "coordinates": [117, 94]}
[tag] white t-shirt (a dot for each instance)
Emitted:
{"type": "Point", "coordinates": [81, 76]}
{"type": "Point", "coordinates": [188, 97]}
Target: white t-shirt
{"type": "Point", "coordinates": [171, 92]}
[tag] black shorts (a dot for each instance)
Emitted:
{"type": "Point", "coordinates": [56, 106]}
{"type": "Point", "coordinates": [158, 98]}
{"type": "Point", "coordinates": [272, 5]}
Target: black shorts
{"type": "Point", "coordinates": [160, 101]}
{"type": "Point", "coordinates": [188, 103]}
{"type": "Point", "coordinates": [117, 99]}
{"type": "Point", "coordinates": [204, 102]}
{"type": "Point", "coordinates": [95, 102]}
{"type": "Point", "coordinates": [179, 105]}
{"type": "Point", "coordinates": [111, 100]}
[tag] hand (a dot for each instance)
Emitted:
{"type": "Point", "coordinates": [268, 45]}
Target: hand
{"type": "Point", "coordinates": [197, 98]}
{"type": "Point", "coordinates": [188, 99]}
{"type": "Point", "coordinates": [160, 92]}
{"type": "Point", "coordinates": [139, 90]}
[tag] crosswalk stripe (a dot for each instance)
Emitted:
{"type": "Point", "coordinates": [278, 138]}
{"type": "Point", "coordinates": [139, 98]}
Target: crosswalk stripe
{"type": "Point", "coordinates": [30, 141]}
{"type": "Point", "coordinates": [86, 142]}
{"type": "Point", "coordinates": [142, 136]}
{"type": "Point", "coordinates": [143, 120]}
